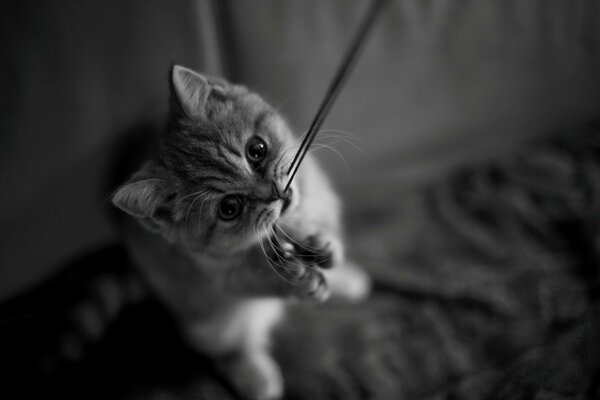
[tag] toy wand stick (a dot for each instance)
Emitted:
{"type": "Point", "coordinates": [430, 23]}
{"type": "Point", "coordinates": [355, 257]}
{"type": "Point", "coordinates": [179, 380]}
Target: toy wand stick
{"type": "Point", "coordinates": [335, 87]}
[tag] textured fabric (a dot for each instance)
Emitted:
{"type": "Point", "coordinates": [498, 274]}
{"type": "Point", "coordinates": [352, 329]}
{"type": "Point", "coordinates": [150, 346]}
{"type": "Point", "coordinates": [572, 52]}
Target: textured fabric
{"type": "Point", "coordinates": [511, 313]}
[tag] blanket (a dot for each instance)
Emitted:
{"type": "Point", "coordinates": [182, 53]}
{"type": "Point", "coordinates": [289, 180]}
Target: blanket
{"type": "Point", "coordinates": [486, 287]}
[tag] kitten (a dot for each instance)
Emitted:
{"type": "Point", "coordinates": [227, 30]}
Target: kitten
{"type": "Point", "coordinates": [218, 239]}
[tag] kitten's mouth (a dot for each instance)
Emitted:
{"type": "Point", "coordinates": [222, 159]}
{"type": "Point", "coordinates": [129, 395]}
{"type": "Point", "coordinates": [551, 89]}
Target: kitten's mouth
{"type": "Point", "coordinates": [287, 201]}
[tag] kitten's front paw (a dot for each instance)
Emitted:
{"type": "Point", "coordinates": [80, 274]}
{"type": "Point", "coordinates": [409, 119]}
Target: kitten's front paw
{"type": "Point", "coordinates": [303, 275]}
{"type": "Point", "coordinates": [322, 250]}
{"type": "Point", "coordinates": [313, 286]}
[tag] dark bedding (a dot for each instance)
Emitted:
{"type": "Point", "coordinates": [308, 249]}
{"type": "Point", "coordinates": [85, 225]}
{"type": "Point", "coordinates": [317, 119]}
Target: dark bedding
{"type": "Point", "coordinates": [486, 287]}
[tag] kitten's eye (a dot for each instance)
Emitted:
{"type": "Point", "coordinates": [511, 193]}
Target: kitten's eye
{"type": "Point", "coordinates": [230, 208]}
{"type": "Point", "coordinates": [256, 149]}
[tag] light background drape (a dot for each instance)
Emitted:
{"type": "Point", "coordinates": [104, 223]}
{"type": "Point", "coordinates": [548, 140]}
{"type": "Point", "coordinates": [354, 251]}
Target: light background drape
{"type": "Point", "coordinates": [441, 83]}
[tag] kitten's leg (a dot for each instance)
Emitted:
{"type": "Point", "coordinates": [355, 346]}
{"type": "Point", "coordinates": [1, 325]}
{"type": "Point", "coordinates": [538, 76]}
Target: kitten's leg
{"type": "Point", "coordinates": [254, 374]}
{"type": "Point", "coordinates": [348, 281]}
{"type": "Point", "coordinates": [237, 337]}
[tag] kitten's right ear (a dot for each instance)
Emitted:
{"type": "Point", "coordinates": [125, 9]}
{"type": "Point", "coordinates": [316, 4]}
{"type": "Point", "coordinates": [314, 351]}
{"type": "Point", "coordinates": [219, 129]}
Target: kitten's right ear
{"type": "Point", "coordinates": [190, 89]}
{"type": "Point", "coordinates": [146, 198]}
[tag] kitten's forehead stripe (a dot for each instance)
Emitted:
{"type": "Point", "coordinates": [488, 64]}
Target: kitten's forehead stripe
{"type": "Point", "coordinates": [212, 188]}
{"type": "Point", "coordinates": [215, 166]}
{"type": "Point", "coordinates": [224, 158]}
{"type": "Point", "coordinates": [233, 150]}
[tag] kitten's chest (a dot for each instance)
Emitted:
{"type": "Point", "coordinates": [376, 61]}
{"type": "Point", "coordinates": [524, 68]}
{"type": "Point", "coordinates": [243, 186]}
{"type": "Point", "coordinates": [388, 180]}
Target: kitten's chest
{"type": "Point", "coordinates": [184, 284]}
{"type": "Point", "coordinates": [189, 290]}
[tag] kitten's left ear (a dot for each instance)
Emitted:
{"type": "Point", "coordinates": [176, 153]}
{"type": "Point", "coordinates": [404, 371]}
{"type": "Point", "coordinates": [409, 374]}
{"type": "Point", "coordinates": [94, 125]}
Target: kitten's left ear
{"type": "Point", "coordinates": [146, 197]}
{"type": "Point", "coordinates": [191, 90]}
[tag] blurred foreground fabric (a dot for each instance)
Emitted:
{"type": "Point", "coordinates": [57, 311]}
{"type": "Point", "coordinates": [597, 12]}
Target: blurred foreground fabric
{"type": "Point", "coordinates": [486, 287]}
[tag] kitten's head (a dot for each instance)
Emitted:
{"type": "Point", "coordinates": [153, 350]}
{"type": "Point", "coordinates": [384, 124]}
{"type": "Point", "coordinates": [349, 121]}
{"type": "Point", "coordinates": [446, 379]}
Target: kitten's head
{"type": "Point", "coordinates": [217, 181]}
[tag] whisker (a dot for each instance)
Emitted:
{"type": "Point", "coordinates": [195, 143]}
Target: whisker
{"type": "Point", "coordinates": [338, 139]}
{"type": "Point", "coordinates": [320, 146]}
{"type": "Point", "coordinates": [297, 259]}
{"type": "Point", "coordinates": [273, 247]}
{"type": "Point", "coordinates": [187, 215]}
{"type": "Point", "coordinates": [286, 152]}
{"type": "Point", "coordinates": [206, 195]}
{"type": "Point", "coordinates": [267, 258]}
{"type": "Point", "coordinates": [270, 262]}
{"type": "Point", "coordinates": [281, 243]}
{"type": "Point", "coordinates": [351, 140]}
{"type": "Point", "coordinates": [286, 159]}
{"type": "Point", "coordinates": [342, 133]}
{"type": "Point", "coordinates": [342, 140]}
{"type": "Point", "coordinates": [293, 241]}
{"type": "Point", "coordinates": [193, 194]}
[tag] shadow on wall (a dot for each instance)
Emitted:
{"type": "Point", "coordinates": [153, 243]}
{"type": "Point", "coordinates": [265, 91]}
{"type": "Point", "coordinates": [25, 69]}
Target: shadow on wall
{"type": "Point", "coordinates": [75, 77]}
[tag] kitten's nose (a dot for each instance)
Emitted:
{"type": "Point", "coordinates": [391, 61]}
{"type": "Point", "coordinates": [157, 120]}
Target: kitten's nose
{"type": "Point", "coordinates": [277, 193]}
{"type": "Point", "coordinates": [268, 192]}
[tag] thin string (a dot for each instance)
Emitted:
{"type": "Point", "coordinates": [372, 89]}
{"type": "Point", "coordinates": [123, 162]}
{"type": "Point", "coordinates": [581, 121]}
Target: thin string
{"type": "Point", "coordinates": [335, 87]}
